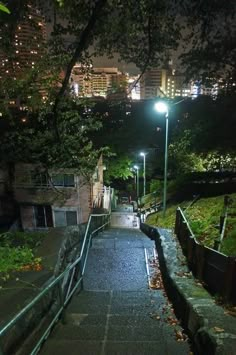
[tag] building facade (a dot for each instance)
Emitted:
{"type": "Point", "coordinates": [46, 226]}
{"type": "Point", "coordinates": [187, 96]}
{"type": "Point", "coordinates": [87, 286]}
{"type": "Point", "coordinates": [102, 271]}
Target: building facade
{"type": "Point", "coordinates": [153, 83]}
{"type": "Point", "coordinates": [177, 86]}
{"type": "Point", "coordinates": [27, 46]}
{"type": "Point", "coordinates": [91, 82]}
{"type": "Point", "coordinates": [57, 198]}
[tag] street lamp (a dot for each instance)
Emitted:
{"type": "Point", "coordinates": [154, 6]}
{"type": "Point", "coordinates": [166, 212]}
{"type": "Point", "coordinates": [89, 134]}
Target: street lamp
{"type": "Point", "coordinates": [163, 108]}
{"type": "Point", "coordinates": [137, 169]}
{"type": "Point", "coordinates": [144, 172]}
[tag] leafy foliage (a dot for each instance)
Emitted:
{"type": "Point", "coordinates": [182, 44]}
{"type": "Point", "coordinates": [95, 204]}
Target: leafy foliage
{"type": "Point", "coordinates": [11, 259]}
{"type": "Point", "coordinates": [21, 239]}
{"type": "Point", "coordinates": [4, 8]}
{"type": "Point", "coordinates": [118, 168]}
{"type": "Point", "coordinates": [204, 218]}
{"type": "Point", "coordinates": [17, 250]}
{"type": "Point", "coordinates": [210, 38]}
{"type": "Point", "coordinates": [203, 135]}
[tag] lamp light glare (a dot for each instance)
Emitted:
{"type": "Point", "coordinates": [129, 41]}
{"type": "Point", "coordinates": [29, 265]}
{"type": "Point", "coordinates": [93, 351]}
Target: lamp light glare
{"type": "Point", "coordinates": [161, 107]}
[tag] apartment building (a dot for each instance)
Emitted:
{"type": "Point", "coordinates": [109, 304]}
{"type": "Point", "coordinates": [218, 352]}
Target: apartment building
{"type": "Point", "coordinates": [177, 86]}
{"type": "Point", "coordinates": [90, 82]}
{"type": "Point", "coordinates": [56, 198]}
{"type": "Point", "coordinates": [27, 47]}
{"type": "Point", "coordinates": [153, 83]}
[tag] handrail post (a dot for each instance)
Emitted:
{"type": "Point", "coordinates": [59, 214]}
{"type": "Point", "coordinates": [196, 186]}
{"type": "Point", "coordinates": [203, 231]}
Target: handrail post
{"type": "Point", "coordinates": [61, 302]}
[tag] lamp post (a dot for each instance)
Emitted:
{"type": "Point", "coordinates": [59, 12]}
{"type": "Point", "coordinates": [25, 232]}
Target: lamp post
{"type": "Point", "coordinates": [163, 108]}
{"type": "Point", "coordinates": [144, 172]}
{"type": "Point", "coordinates": [137, 181]}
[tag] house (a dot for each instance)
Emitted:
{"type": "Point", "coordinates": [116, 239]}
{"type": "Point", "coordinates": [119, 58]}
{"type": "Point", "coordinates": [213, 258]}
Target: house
{"type": "Point", "coordinates": [57, 198]}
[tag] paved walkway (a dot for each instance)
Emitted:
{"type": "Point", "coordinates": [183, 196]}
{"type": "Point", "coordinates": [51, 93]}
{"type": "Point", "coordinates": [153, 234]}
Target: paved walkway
{"type": "Point", "coordinates": [117, 313]}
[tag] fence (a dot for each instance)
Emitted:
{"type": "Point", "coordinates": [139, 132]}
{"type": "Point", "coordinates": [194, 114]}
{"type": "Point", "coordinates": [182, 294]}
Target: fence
{"type": "Point", "coordinates": [39, 316]}
{"type": "Point", "coordinates": [216, 270]}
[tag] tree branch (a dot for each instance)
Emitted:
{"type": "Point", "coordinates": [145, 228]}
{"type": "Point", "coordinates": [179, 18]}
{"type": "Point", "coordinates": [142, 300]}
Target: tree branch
{"type": "Point", "coordinates": [82, 45]}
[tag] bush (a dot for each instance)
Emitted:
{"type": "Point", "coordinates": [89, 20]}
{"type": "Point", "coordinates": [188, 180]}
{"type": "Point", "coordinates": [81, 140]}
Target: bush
{"type": "Point", "coordinates": [16, 249]}
{"type": "Point", "coordinates": [12, 259]}
{"type": "Point", "coordinates": [21, 239]}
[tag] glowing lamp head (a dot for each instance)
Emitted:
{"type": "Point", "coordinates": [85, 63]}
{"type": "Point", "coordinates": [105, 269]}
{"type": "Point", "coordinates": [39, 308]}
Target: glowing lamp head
{"type": "Point", "coordinates": [161, 107]}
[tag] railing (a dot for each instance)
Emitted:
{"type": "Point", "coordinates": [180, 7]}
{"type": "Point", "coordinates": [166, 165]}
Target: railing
{"type": "Point", "coordinates": [144, 212]}
{"type": "Point", "coordinates": [215, 269]}
{"type": "Point", "coordinates": [54, 297]}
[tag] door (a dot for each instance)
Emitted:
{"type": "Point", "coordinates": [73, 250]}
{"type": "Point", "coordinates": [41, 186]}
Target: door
{"type": "Point", "coordinates": [43, 216]}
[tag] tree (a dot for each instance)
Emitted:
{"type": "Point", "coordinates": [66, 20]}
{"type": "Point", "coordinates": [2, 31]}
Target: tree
{"type": "Point", "coordinates": [141, 32]}
{"type": "Point", "coordinates": [118, 168]}
{"type": "Point", "coordinates": [45, 135]}
{"type": "Point", "coordinates": [209, 38]}
{"type": "Point", "coordinates": [204, 135]}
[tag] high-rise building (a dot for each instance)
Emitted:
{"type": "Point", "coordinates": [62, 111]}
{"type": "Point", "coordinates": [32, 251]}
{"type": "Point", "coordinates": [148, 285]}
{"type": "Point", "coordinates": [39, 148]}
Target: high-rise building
{"type": "Point", "coordinates": [90, 82]}
{"type": "Point", "coordinates": [27, 46]}
{"type": "Point", "coordinates": [153, 83]}
{"type": "Point", "coordinates": [177, 86]}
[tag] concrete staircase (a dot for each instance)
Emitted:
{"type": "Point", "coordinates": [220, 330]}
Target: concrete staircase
{"type": "Point", "coordinates": [117, 312]}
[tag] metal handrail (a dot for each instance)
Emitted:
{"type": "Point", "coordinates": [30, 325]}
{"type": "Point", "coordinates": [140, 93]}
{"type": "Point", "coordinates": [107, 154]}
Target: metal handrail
{"type": "Point", "coordinates": [186, 222]}
{"type": "Point", "coordinates": [70, 290]}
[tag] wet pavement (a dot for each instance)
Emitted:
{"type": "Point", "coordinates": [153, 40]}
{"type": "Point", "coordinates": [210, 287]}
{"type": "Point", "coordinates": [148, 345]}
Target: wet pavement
{"type": "Point", "coordinates": [117, 313]}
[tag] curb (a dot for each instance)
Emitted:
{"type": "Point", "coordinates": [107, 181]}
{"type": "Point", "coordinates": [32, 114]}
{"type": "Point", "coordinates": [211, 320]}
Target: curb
{"type": "Point", "coordinates": [211, 330]}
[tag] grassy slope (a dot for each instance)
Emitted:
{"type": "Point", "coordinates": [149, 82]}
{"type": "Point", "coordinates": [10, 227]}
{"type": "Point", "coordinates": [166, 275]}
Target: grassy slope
{"type": "Point", "coordinates": [203, 217]}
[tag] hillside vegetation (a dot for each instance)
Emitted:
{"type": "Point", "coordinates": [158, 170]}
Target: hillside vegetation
{"type": "Point", "coordinates": [204, 219]}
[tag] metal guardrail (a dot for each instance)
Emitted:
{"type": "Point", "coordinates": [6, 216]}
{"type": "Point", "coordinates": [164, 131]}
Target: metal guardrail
{"type": "Point", "coordinates": [64, 294]}
{"type": "Point", "coordinates": [216, 270]}
{"type": "Point", "coordinates": [149, 210]}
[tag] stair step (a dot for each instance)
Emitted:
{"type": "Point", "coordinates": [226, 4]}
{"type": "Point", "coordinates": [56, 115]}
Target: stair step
{"type": "Point", "coordinates": [78, 332]}
{"type": "Point", "coordinates": [117, 270]}
{"type": "Point", "coordinates": [135, 303]}
{"type": "Point", "coordinates": [75, 347]}
{"type": "Point", "coordinates": [71, 347]}
{"type": "Point", "coordinates": [100, 243]}
{"type": "Point", "coordinates": [90, 303]}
